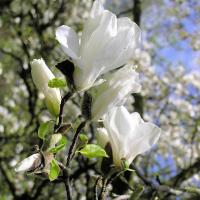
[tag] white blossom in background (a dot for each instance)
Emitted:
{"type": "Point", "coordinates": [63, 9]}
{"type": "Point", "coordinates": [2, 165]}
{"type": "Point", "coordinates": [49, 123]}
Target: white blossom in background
{"type": "Point", "coordinates": [114, 91]}
{"type": "Point", "coordinates": [41, 75]}
{"type": "Point", "coordinates": [128, 134]}
{"type": "Point", "coordinates": [142, 58]}
{"type": "Point", "coordinates": [193, 78]}
{"type": "Point", "coordinates": [29, 163]}
{"type": "Point", "coordinates": [106, 43]}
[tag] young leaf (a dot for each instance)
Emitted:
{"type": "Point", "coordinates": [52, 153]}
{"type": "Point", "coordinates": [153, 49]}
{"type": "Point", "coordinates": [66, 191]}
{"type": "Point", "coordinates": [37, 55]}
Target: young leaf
{"type": "Point", "coordinates": [64, 128]}
{"type": "Point", "coordinates": [93, 151]}
{"type": "Point", "coordinates": [45, 128]}
{"type": "Point", "coordinates": [54, 170]}
{"type": "Point", "coordinates": [83, 138]}
{"type": "Point", "coordinates": [55, 138]}
{"type": "Point", "coordinates": [57, 83]}
{"type": "Point", "coordinates": [59, 147]}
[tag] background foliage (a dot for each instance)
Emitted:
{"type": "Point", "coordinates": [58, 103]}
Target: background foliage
{"type": "Point", "coordinates": [168, 61]}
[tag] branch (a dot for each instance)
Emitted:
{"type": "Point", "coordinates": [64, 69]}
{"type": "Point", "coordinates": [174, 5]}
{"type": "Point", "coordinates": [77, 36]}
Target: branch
{"type": "Point", "coordinates": [8, 181]}
{"type": "Point", "coordinates": [74, 142]}
{"type": "Point", "coordinates": [39, 189]}
{"type": "Point", "coordinates": [186, 173]}
{"type": "Point", "coordinates": [63, 101]}
{"type": "Point", "coordinates": [137, 11]}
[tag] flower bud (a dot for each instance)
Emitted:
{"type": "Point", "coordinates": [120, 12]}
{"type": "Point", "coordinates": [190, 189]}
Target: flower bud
{"type": "Point", "coordinates": [30, 163]}
{"type": "Point", "coordinates": [41, 75]}
{"type": "Point", "coordinates": [102, 137]}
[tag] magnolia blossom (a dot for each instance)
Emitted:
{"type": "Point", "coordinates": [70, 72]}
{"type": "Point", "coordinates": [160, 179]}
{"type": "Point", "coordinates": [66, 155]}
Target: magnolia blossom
{"type": "Point", "coordinates": [128, 134]}
{"type": "Point", "coordinates": [114, 91]}
{"type": "Point", "coordinates": [30, 163]}
{"type": "Point", "coordinates": [41, 75]}
{"type": "Point", "coordinates": [106, 43]}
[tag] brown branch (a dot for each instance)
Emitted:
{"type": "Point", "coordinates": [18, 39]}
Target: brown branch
{"type": "Point", "coordinates": [63, 101]}
{"type": "Point", "coordinates": [137, 11]}
{"type": "Point", "coordinates": [39, 189]}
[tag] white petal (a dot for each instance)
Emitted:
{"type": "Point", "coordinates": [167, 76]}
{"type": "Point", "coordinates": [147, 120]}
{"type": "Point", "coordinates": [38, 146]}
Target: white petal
{"type": "Point", "coordinates": [97, 9]}
{"type": "Point", "coordinates": [114, 135]}
{"type": "Point", "coordinates": [102, 137]}
{"type": "Point", "coordinates": [104, 102]}
{"type": "Point", "coordinates": [99, 38]}
{"type": "Point", "coordinates": [122, 45]}
{"type": "Point", "coordinates": [136, 119]}
{"type": "Point", "coordinates": [27, 163]}
{"type": "Point", "coordinates": [87, 75]}
{"type": "Point", "coordinates": [125, 23]}
{"type": "Point", "coordinates": [114, 91]}
{"type": "Point", "coordinates": [148, 135]}
{"type": "Point", "coordinates": [92, 23]}
{"type": "Point", "coordinates": [89, 27]}
{"type": "Point", "coordinates": [41, 74]}
{"type": "Point", "coordinates": [123, 121]}
{"type": "Point", "coordinates": [53, 100]}
{"type": "Point", "coordinates": [69, 41]}
{"type": "Point", "coordinates": [128, 134]}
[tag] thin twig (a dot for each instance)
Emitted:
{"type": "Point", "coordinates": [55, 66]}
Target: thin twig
{"type": "Point", "coordinates": [66, 180]}
{"type": "Point", "coordinates": [68, 187]}
{"type": "Point", "coordinates": [74, 142]}
{"type": "Point", "coordinates": [96, 188]}
{"type": "Point", "coordinates": [63, 101]}
{"type": "Point", "coordinates": [69, 158]}
{"type": "Point", "coordinates": [102, 195]}
{"type": "Point", "coordinates": [8, 181]}
{"type": "Point", "coordinates": [141, 176]}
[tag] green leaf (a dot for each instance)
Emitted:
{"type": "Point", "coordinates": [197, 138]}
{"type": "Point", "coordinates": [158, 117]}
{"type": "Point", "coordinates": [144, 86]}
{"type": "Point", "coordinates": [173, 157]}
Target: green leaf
{"type": "Point", "coordinates": [60, 146]}
{"type": "Point", "coordinates": [54, 170]}
{"type": "Point", "coordinates": [45, 128]}
{"type": "Point", "coordinates": [83, 138]}
{"type": "Point", "coordinates": [55, 138]}
{"type": "Point", "coordinates": [64, 128]}
{"type": "Point", "coordinates": [93, 151]}
{"type": "Point", "coordinates": [125, 164]}
{"type": "Point", "coordinates": [57, 83]}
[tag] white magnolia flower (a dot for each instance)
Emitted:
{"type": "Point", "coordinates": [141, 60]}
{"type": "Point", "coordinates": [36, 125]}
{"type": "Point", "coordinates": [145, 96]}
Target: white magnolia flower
{"type": "Point", "coordinates": [114, 91]}
{"type": "Point", "coordinates": [41, 75]}
{"type": "Point", "coordinates": [30, 163]}
{"type": "Point", "coordinates": [128, 134]}
{"type": "Point", "coordinates": [106, 43]}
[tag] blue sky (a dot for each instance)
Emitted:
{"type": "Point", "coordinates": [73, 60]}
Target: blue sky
{"type": "Point", "coordinates": [180, 51]}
